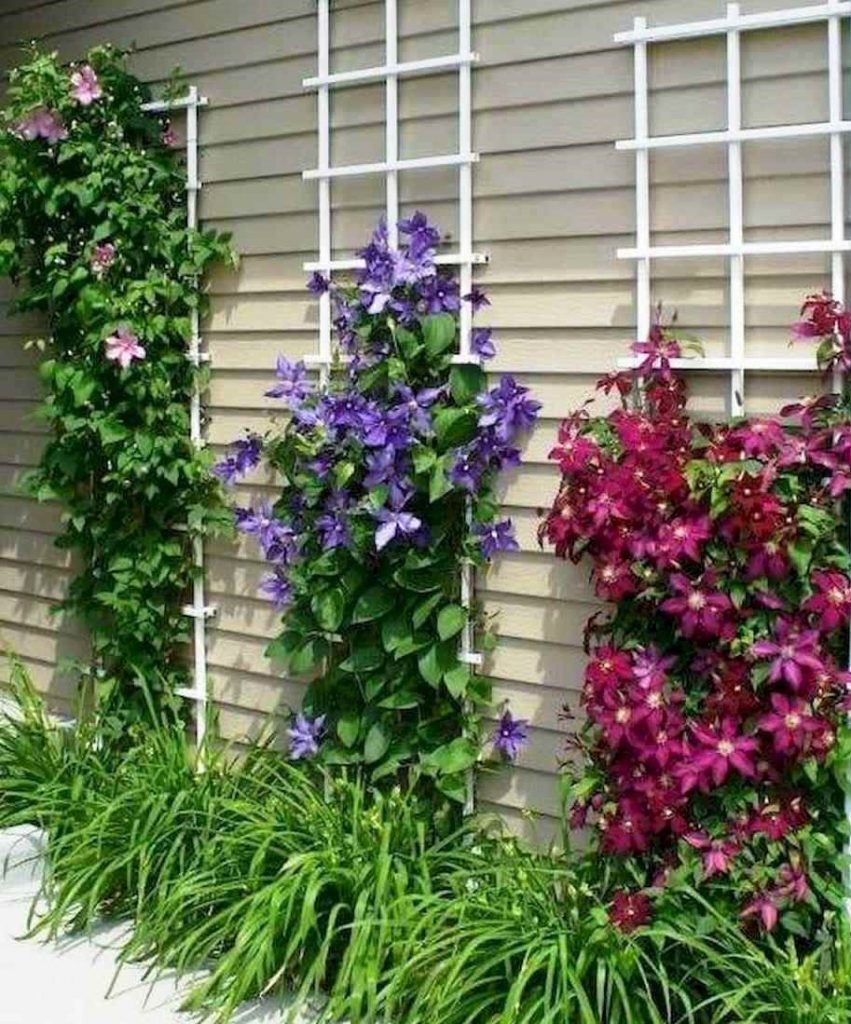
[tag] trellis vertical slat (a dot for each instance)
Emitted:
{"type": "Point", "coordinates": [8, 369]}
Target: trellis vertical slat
{"type": "Point", "coordinates": [199, 611]}
{"type": "Point", "coordinates": [736, 260]}
{"type": "Point", "coordinates": [465, 258]}
{"type": "Point", "coordinates": [391, 31]}
{"type": "Point", "coordinates": [642, 182]}
{"type": "Point", "coordinates": [323, 101]}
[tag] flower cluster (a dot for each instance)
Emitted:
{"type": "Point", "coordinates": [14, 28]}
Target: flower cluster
{"type": "Point", "coordinates": [715, 690]}
{"type": "Point", "coordinates": [389, 477]}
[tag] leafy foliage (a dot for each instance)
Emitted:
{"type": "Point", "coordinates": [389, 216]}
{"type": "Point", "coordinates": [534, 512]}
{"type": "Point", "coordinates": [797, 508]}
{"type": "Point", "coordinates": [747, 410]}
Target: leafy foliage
{"type": "Point", "coordinates": [715, 746]}
{"type": "Point", "coordinates": [93, 233]}
{"type": "Point", "coordinates": [388, 485]}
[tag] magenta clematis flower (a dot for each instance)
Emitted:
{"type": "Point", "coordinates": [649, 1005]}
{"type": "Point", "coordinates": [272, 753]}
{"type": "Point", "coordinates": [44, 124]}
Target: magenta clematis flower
{"type": "Point", "coordinates": [789, 723]}
{"type": "Point", "coordinates": [630, 910]}
{"type": "Point", "coordinates": [123, 347]}
{"type": "Point", "coordinates": [718, 854]}
{"type": "Point", "coordinates": [699, 609]}
{"type": "Point", "coordinates": [764, 908]}
{"type": "Point", "coordinates": [722, 749]}
{"type": "Point", "coordinates": [832, 599]}
{"type": "Point", "coordinates": [85, 87]}
{"type": "Point", "coordinates": [794, 653]}
{"type": "Point", "coordinates": [102, 258]}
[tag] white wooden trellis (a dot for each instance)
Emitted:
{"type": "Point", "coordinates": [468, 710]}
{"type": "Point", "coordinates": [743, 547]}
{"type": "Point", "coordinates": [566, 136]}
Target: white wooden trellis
{"type": "Point", "coordinates": [644, 253]}
{"type": "Point", "coordinates": [199, 610]}
{"type": "Point", "coordinates": [465, 258]}
{"type": "Point", "coordinates": [736, 250]}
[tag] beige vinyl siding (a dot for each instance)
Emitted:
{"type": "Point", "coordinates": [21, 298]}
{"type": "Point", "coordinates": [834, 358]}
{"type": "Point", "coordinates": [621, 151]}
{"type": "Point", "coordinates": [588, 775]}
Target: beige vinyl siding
{"type": "Point", "coordinates": [553, 201]}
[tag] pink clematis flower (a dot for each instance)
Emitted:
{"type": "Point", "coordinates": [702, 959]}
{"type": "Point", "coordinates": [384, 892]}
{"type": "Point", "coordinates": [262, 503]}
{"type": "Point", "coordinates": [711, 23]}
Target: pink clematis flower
{"type": "Point", "coordinates": [169, 137]}
{"type": "Point", "coordinates": [794, 654]}
{"type": "Point", "coordinates": [85, 87]}
{"type": "Point", "coordinates": [123, 347]}
{"type": "Point", "coordinates": [832, 600]}
{"type": "Point", "coordinates": [42, 124]}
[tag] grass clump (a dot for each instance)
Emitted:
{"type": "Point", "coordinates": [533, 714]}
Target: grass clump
{"type": "Point", "coordinates": [267, 877]}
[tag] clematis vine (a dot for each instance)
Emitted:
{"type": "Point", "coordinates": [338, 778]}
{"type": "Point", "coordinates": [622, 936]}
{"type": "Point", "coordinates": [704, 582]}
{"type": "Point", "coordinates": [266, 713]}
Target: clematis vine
{"type": "Point", "coordinates": [388, 478]}
{"type": "Point", "coordinates": [713, 698]}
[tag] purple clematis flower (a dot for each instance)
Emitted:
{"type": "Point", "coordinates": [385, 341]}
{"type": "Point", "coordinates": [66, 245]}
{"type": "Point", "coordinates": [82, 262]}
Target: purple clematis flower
{"type": "Point", "coordinates": [441, 295]}
{"type": "Point", "coordinates": [243, 456]}
{"type": "Point", "coordinates": [318, 284]}
{"type": "Point", "coordinates": [395, 523]}
{"type": "Point", "coordinates": [381, 466]}
{"type": "Point", "coordinates": [477, 299]}
{"type": "Point", "coordinates": [423, 237]}
{"type": "Point", "coordinates": [277, 540]}
{"type": "Point", "coordinates": [332, 524]}
{"type": "Point", "coordinates": [481, 344]}
{"type": "Point", "coordinates": [510, 736]}
{"type": "Point", "coordinates": [508, 409]}
{"type": "Point", "coordinates": [305, 736]}
{"type": "Point", "coordinates": [293, 386]}
{"type": "Point", "coordinates": [466, 472]}
{"type": "Point", "coordinates": [278, 589]}
{"type": "Point", "coordinates": [496, 537]}
{"type": "Point", "coordinates": [414, 407]}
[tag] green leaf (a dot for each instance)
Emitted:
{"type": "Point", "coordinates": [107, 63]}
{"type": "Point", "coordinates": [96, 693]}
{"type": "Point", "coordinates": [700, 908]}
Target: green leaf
{"type": "Point", "coordinates": [373, 604]}
{"type": "Point", "coordinates": [408, 343]}
{"type": "Point", "coordinates": [363, 659]}
{"type": "Point", "coordinates": [308, 656]}
{"type": "Point", "coordinates": [424, 609]}
{"type": "Point", "coordinates": [454, 427]}
{"type": "Point", "coordinates": [439, 482]}
{"type": "Point", "coordinates": [376, 744]}
{"type": "Point", "coordinates": [466, 381]}
{"type": "Point", "coordinates": [457, 680]}
{"type": "Point", "coordinates": [450, 621]}
{"type": "Point", "coordinates": [394, 629]}
{"type": "Point", "coordinates": [420, 580]}
{"type": "Point", "coordinates": [454, 787]}
{"type": "Point", "coordinates": [437, 660]}
{"type": "Point", "coordinates": [456, 756]}
{"type": "Point", "coordinates": [329, 607]}
{"type": "Point", "coordinates": [439, 333]}
{"type": "Point", "coordinates": [348, 728]}
{"type": "Point", "coordinates": [407, 697]}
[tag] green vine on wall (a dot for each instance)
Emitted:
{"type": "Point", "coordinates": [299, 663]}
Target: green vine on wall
{"type": "Point", "coordinates": [93, 233]}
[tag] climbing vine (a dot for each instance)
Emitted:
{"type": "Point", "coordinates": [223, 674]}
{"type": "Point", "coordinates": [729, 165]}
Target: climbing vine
{"type": "Point", "coordinates": [93, 233]}
{"type": "Point", "coordinates": [388, 485]}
